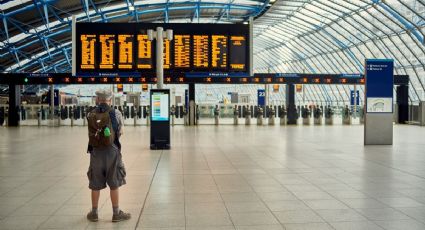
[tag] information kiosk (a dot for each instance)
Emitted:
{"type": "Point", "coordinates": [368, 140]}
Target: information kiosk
{"type": "Point", "coordinates": [160, 118]}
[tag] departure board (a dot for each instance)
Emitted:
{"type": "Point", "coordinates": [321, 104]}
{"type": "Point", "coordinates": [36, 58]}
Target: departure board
{"type": "Point", "coordinates": [125, 44]}
{"type": "Point", "coordinates": [88, 45]}
{"type": "Point", "coordinates": [144, 52]}
{"type": "Point", "coordinates": [167, 54]}
{"type": "Point", "coordinates": [219, 51]}
{"type": "Point", "coordinates": [182, 51]}
{"type": "Point", "coordinates": [107, 46]}
{"type": "Point", "coordinates": [200, 51]}
{"type": "Point", "coordinates": [196, 49]}
{"type": "Point", "coordinates": [238, 53]}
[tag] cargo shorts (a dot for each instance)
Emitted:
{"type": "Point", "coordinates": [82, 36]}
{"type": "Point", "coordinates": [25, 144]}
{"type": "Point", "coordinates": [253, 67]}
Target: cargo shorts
{"type": "Point", "coordinates": [106, 168]}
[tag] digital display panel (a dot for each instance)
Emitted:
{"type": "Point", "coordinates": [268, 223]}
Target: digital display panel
{"type": "Point", "coordinates": [124, 48]}
{"type": "Point", "coordinates": [88, 46]}
{"type": "Point", "coordinates": [144, 52]}
{"type": "Point", "coordinates": [160, 105]}
{"type": "Point", "coordinates": [182, 51]}
{"type": "Point", "coordinates": [238, 53]}
{"type": "Point", "coordinates": [200, 51]}
{"type": "Point", "coordinates": [107, 47]}
{"type": "Point", "coordinates": [167, 54]}
{"type": "Point", "coordinates": [125, 45]}
{"type": "Point", "coordinates": [219, 51]}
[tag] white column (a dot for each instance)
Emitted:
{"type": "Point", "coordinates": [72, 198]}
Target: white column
{"type": "Point", "coordinates": [160, 57]}
{"type": "Point", "coordinates": [74, 48]}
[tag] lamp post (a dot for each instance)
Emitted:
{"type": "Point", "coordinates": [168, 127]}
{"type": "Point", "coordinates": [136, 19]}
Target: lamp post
{"type": "Point", "coordinates": [159, 35]}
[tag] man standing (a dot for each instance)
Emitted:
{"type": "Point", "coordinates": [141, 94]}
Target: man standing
{"type": "Point", "coordinates": [106, 166]}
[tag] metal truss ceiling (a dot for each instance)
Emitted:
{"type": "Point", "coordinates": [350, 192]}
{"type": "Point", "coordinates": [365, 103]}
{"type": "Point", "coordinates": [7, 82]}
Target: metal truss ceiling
{"type": "Point", "coordinates": [318, 36]}
{"type": "Point", "coordinates": [336, 36]}
{"type": "Point", "coordinates": [36, 35]}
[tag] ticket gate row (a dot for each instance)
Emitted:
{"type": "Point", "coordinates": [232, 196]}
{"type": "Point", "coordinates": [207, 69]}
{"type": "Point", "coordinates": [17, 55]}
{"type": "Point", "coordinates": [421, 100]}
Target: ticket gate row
{"type": "Point", "coordinates": [271, 113]}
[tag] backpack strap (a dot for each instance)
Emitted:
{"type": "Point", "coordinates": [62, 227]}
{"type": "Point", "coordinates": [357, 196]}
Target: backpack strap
{"type": "Point", "coordinates": [115, 127]}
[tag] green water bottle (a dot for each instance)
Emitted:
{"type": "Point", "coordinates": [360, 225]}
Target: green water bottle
{"type": "Point", "coordinates": [107, 132]}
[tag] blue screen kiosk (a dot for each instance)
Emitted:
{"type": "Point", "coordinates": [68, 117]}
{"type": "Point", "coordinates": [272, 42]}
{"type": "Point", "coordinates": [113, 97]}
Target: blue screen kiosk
{"type": "Point", "coordinates": [379, 87]}
{"type": "Point", "coordinates": [160, 118]}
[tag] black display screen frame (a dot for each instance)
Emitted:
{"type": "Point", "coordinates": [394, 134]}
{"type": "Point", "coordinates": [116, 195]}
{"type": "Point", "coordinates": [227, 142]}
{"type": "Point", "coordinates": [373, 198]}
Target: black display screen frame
{"type": "Point", "coordinates": [178, 28]}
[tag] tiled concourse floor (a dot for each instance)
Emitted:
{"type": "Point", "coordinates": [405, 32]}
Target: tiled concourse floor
{"type": "Point", "coordinates": [226, 177]}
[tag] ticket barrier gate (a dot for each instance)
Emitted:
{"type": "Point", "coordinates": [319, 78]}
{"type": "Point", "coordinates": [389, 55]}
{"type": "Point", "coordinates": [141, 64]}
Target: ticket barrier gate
{"type": "Point", "coordinates": [318, 115]}
{"type": "Point", "coordinates": [260, 114]}
{"type": "Point", "coordinates": [216, 115]}
{"type": "Point", "coordinates": [173, 115]}
{"type": "Point", "coordinates": [2, 115]}
{"type": "Point", "coordinates": [247, 115]}
{"type": "Point", "coordinates": [361, 115]}
{"type": "Point", "coordinates": [329, 115]}
{"type": "Point", "coordinates": [282, 115]}
{"type": "Point", "coordinates": [346, 116]}
{"type": "Point", "coordinates": [271, 115]}
{"type": "Point", "coordinates": [305, 113]}
{"type": "Point", "coordinates": [236, 115]}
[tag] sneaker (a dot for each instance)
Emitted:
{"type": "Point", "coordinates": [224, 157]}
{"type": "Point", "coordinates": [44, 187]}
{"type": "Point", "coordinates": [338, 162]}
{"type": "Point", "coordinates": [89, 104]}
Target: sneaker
{"type": "Point", "coordinates": [92, 216]}
{"type": "Point", "coordinates": [121, 216]}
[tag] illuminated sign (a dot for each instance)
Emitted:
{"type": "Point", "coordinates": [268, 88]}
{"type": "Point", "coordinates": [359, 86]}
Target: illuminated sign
{"type": "Point", "coordinates": [200, 51]}
{"type": "Point", "coordinates": [167, 54]}
{"type": "Point", "coordinates": [160, 106]}
{"type": "Point", "coordinates": [124, 48]}
{"type": "Point", "coordinates": [125, 44]}
{"type": "Point", "coordinates": [237, 53]}
{"type": "Point", "coordinates": [182, 51]}
{"type": "Point", "coordinates": [88, 45]}
{"type": "Point", "coordinates": [107, 44]}
{"type": "Point", "coordinates": [219, 51]}
{"type": "Point", "coordinates": [144, 52]}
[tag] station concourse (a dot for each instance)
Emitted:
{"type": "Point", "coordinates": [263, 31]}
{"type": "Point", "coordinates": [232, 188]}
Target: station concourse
{"type": "Point", "coordinates": [220, 115]}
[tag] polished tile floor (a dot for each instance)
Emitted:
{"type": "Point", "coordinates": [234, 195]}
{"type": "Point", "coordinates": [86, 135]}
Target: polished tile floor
{"type": "Point", "coordinates": [226, 177]}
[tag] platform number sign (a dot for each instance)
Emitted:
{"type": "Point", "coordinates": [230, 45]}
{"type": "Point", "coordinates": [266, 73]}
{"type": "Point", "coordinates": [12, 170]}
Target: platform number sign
{"type": "Point", "coordinates": [261, 95]}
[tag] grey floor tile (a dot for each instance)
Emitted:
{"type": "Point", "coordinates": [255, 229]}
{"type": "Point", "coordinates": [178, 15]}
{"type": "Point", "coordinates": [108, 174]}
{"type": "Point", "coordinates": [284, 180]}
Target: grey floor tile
{"type": "Point", "coordinates": [253, 218]}
{"type": "Point", "coordinates": [364, 203]}
{"type": "Point", "coordinates": [326, 204]}
{"type": "Point", "coordinates": [416, 213]}
{"type": "Point", "coordinates": [208, 219]}
{"type": "Point", "coordinates": [68, 222]}
{"type": "Point", "coordinates": [336, 215]}
{"type": "Point", "coordinates": [401, 225]}
{"type": "Point", "coordinates": [308, 226]}
{"type": "Point", "coordinates": [298, 217]}
{"type": "Point", "coordinates": [22, 222]}
{"type": "Point", "coordinates": [401, 202]}
{"type": "Point", "coordinates": [246, 207]}
{"type": "Point", "coordinates": [286, 205]}
{"type": "Point", "coordinates": [261, 227]}
{"type": "Point", "coordinates": [382, 214]}
{"type": "Point", "coordinates": [162, 221]}
{"type": "Point", "coordinates": [363, 225]}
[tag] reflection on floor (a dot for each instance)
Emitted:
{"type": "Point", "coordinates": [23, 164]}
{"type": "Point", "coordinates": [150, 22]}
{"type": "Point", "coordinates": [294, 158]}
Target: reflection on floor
{"type": "Point", "coordinates": [224, 177]}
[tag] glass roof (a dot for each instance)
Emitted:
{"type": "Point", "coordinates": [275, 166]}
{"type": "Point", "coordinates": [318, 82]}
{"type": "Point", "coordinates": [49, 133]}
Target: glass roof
{"type": "Point", "coordinates": [320, 36]}
{"type": "Point", "coordinates": [336, 36]}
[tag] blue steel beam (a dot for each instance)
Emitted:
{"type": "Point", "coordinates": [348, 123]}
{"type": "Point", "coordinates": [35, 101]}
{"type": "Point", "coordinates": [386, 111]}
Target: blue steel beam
{"type": "Point", "coordinates": [207, 5]}
{"type": "Point", "coordinates": [409, 26]}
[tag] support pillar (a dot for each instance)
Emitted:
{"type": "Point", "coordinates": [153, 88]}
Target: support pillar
{"type": "Point", "coordinates": [192, 105]}
{"type": "Point", "coordinates": [14, 103]}
{"type": "Point", "coordinates": [290, 104]}
{"type": "Point", "coordinates": [402, 104]}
